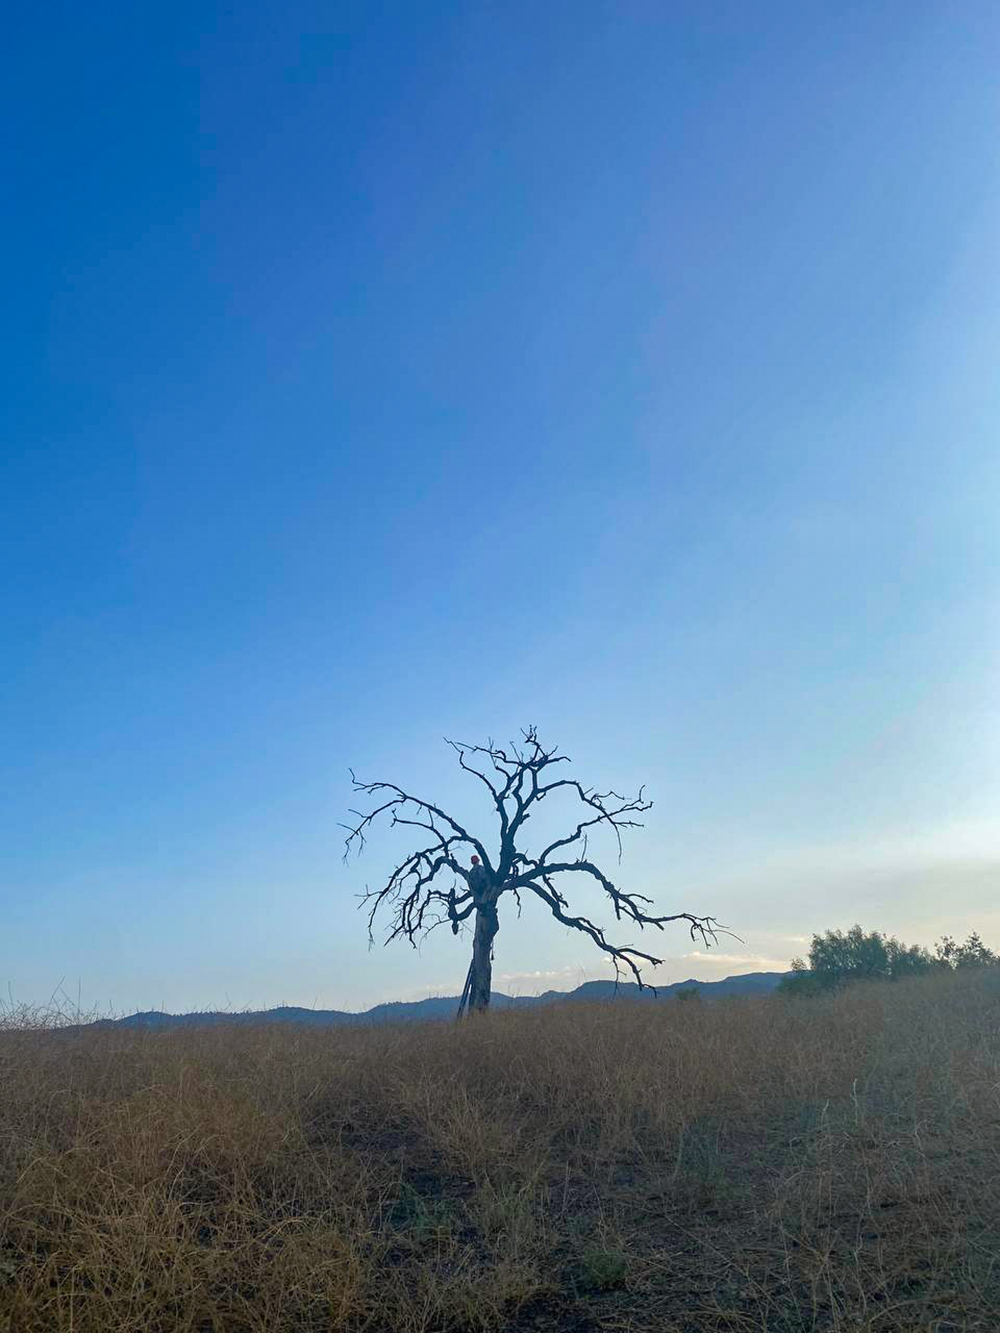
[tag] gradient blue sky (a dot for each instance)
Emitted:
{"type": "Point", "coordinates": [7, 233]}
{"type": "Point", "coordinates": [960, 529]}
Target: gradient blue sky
{"type": "Point", "coordinates": [380, 372]}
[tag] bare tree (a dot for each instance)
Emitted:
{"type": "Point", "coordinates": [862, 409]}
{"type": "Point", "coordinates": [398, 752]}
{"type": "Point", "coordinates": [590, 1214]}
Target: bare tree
{"type": "Point", "coordinates": [518, 780]}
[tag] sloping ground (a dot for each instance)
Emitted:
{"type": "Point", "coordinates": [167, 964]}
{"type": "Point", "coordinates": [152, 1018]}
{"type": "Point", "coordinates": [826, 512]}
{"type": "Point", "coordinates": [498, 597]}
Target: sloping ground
{"type": "Point", "coordinates": [753, 1164]}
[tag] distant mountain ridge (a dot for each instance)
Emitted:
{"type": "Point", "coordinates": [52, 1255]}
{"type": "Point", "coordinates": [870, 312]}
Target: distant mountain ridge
{"type": "Point", "coordinates": [445, 1006]}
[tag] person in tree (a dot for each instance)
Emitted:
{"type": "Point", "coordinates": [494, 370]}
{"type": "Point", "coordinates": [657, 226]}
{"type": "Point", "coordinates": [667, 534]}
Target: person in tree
{"type": "Point", "coordinates": [478, 877]}
{"type": "Point", "coordinates": [487, 925]}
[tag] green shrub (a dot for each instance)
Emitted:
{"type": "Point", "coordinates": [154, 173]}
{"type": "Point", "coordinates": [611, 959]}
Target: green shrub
{"type": "Point", "coordinates": [839, 957]}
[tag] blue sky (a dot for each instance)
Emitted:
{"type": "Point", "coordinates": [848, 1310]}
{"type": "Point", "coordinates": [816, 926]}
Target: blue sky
{"type": "Point", "coordinates": [375, 373]}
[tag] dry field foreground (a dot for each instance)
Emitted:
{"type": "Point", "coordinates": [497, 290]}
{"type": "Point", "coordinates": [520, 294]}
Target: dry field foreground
{"type": "Point", "coordinates": [750, 1165]}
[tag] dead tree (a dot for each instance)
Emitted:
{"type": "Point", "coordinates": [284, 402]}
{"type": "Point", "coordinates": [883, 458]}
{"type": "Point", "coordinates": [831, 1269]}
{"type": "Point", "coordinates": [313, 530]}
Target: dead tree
{"type": "Point", "coordinates": [518, 779]}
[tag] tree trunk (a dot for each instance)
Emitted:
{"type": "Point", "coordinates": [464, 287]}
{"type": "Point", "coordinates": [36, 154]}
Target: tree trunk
{"type": "Point", "coordinates": [481, 980]}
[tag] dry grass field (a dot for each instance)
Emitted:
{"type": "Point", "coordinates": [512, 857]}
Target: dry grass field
{"type": "Point", "coordinates": [747, 1165]}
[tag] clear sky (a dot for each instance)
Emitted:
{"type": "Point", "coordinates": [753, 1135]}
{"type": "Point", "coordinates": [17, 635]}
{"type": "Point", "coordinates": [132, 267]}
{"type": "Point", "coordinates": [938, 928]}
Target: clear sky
{"type": "Point", "coordinates": [379, 372]}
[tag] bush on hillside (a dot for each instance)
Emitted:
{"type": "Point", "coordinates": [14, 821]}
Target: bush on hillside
{"type": "Point", "coordinates": [973, 953]}
{"type": "Point", "coordinates": [840, 957]}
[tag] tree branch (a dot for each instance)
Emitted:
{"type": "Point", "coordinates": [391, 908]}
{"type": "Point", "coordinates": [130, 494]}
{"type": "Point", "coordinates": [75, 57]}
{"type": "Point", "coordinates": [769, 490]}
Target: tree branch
{"type": "Point", "coordinates": [704, 927]}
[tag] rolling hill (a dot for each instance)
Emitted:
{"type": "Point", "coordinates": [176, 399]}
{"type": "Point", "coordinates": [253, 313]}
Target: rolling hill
{"type": "Point", "coordinates": [445, 1006]}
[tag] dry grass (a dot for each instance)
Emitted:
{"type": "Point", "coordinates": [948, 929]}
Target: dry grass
{"type": "Point", "coordinates": [752, 1165]}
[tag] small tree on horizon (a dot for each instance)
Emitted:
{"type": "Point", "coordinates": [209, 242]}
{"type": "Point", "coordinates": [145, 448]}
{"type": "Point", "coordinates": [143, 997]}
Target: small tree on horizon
{"type": "Point", "coordinates": [839, 957]}
{"type": "Point", "coordinates": [961, 957]}
{"type": "Point", "coordinates": [518, 779]}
